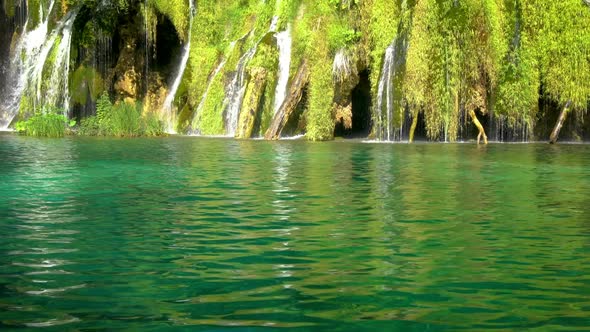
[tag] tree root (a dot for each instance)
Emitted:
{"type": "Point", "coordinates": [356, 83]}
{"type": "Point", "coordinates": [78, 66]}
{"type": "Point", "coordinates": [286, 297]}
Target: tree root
{"type": "Point", "coordinates": [482, 132]}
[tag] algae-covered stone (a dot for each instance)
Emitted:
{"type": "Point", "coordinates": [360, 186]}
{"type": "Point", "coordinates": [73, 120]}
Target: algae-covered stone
{"type": "Point", "coordinates": [251, 104]}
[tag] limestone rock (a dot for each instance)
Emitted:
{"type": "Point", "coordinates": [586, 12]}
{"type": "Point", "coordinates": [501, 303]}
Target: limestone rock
{"type": "Point", "coordinates": [290, 105]}
{"type": "Point", "coordinates": [251, 103]}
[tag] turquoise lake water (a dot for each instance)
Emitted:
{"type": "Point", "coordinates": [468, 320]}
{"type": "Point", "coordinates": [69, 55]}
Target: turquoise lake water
{"type": "Point", "coordinates": [193, 234]}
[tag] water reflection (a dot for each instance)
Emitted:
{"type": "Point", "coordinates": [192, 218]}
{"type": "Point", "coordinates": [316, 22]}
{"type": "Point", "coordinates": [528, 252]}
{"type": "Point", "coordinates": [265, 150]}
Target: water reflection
{"type": "Point", "coordinates": [206, 233]}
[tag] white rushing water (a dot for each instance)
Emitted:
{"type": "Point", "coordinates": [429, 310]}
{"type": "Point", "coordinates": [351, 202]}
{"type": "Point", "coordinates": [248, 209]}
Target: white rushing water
{"type": "Point", "coordinates": [236, 89]}
{"type": "Point", "coordinates": [26, 51]}
{"type": "Point", "coordinates": [235, 93]}
{"type": "Point", "coordinates": [284, 43]}
{"type": "Point", "coordinates": [30, 57]}
{"type": "Point", "coordinates": [58, 93]}
{"type": "Point", "coordinates": [169, 114]}
{"type": "Point", "coordinates": [390, 111]}
{"type": "Point", "coordinates": [385, 94]}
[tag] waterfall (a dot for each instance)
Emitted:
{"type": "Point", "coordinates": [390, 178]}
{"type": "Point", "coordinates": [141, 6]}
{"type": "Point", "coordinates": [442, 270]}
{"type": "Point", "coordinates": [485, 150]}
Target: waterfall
{"type": "Point", "coordinates": [274, 24]}
{"type": "Point", "coordinates": [235, 92]}
{"type": "Point", "coordinates": [58, 93]}
{"type": "Point", "coordinates": [389, 109]}
{"type": "Point", "coordinates": [385, 95]}
{"type": "Point", "coordinates": [103, 53]}
{"type": "Point", "coordinates": [237, 87]}
{"type": "Point", "coordinates": [284, 42]}
{"type": "Point", "coordinates": [504, 130]}
{"type": "Point", "coordinates": [180, 73]}
{"type": "Point", "coordinates": [30, 56]}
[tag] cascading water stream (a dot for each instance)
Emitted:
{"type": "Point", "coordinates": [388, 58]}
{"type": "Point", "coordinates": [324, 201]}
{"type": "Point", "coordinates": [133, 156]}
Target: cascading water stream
{"type": "Point", "coordinates": [284, 42]}
{"type": "Point", "coordinates": [237, 88]}
{"type": "Point", "coordinates": [58, 92]}
{"type": "Point", "coordinates": [182, 67]}
{"type": "Point", "coordinates": [389, 109]}
{"type": "Point", "coordinates": [235, 92]}
{"type": "Point", "coordinates": [385, 94]}
{"type": "Point", "coordinates": [31, 53]}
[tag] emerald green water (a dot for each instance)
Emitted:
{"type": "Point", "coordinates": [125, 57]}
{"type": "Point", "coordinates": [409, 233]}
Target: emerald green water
{"type": "Point", "coordinates": [221, 235]}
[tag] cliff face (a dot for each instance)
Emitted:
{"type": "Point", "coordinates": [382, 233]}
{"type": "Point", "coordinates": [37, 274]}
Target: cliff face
{"type": "Point", "coordinates": [384, 69]}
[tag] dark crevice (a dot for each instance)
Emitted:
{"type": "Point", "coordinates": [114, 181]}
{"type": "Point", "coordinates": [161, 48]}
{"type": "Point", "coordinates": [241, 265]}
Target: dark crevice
{"type": "Point", "coordinates": [168, 46]}
{"type": "Point", "coordinates": [361, 110]}
{"type": "Point", "coordinates": [297, 122]}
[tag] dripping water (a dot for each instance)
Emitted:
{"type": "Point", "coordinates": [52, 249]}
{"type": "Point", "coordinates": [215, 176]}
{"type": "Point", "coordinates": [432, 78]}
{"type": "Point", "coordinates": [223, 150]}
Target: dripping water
{"type": "Point", "coordinates": [236, 89]}
{"type": "Point", "coordinates": [390, 112]}
{"type": "Point", "coordinates": [170, 118]}
{"type": "Point", "coordinates": [58, 93]}
{"type": "Point", "coordinates": [235, 92]}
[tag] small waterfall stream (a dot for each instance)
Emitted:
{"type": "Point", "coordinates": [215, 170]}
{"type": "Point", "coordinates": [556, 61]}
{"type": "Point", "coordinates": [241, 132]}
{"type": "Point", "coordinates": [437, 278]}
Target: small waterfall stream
{"type": "Point", "coordinates": [237, 87]}
{"type": "Point", "coordinates": [284, 42]}
{"type": "Point", "coordinates": [169, 114]}
{"type": "Point", "coordinates": [58, 93]}
{"type": "Point", "coordinates": [389, 107]}
{"type": "Point", "coordinates": [385, 95]}
{"type": "Point", "coordinates": [30, 60]}
{"type": "Point", "coordinates": [235, 92]}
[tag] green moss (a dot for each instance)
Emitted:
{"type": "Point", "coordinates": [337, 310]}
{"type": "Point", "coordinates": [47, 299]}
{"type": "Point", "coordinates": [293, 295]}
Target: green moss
{"type": "Point", "coordinates": [33, 13]}
{"type": "Point", "coordinates": [210, 120]}
{"type": "Point", "coordinates": [85, 83]}
{"type": "Point", "coordinates": [176, 11]}
{"type": "Point", "coordinates": [9, 8]}
{"type": "Point", "coordinates": [267, 58]}
{"type": "Point", "coordinates": [320, 121]}
{"type": "Point", "coordinates": [49, 65]}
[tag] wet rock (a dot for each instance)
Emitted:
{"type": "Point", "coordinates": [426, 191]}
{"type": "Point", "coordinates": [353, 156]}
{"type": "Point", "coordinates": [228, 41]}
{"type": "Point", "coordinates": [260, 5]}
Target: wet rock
{"type": "Point", "coordinates": [293, 99]}
{"type": "Point", "coordinates": [251, 105]}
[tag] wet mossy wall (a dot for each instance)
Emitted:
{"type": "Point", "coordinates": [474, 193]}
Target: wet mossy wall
{"type": "Point", "coordinates": [482, 55]}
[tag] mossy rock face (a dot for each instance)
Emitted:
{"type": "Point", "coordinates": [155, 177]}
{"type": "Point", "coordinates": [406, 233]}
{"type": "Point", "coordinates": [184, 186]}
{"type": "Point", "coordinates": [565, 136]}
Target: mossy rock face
{"type": "Point", "coordinates": [128, 73]}
{"type": "Point", "coordinates": [345, 76]}
{"type": "Point", "coordinates": [85, 83]}
{"type": "Point", "coordinates": [251, 105]}
{"type": "Point", "coordinates": [156, 94]}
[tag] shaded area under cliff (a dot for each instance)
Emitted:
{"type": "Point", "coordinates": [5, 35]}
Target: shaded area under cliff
{"type": "Point", "coordinates": [360, 97]}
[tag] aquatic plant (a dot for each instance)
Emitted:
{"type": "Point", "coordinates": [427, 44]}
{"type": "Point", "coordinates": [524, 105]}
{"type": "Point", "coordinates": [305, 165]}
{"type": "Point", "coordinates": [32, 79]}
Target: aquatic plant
{"type": "Point", "coordinates": [49, 122]}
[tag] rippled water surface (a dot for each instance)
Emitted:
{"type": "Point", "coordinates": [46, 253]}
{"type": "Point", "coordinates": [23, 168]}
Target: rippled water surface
{"type": "Point", "coordinates": [223, 235]}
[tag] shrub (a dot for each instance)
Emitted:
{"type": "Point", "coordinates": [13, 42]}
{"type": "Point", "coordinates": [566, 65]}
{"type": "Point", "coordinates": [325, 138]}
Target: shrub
{"type": "Point", "coordinates": [90, 127]}
{"type": "Point", "coordinates": [49, 123]}
{"type": "Point", "coordinates": [152, 126]}
{"type": "Point", "coordinates": [122, 120]}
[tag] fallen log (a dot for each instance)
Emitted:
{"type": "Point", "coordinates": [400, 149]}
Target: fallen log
{"type": "Point", "coordinates": [562, 116]}
{"type": "Point", "coordinates": [290, 104]}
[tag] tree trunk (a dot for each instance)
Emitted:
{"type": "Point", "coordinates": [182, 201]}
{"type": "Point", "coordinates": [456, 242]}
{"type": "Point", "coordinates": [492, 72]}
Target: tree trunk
{"type": "Point", "coordinates": [482, 132]}
{"type": "Point", "coordinates": [290, 104]}
{"type": "Point", "coordinates": [555, 133]}
{"type": "Point", "coordinates": [413, 128]}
